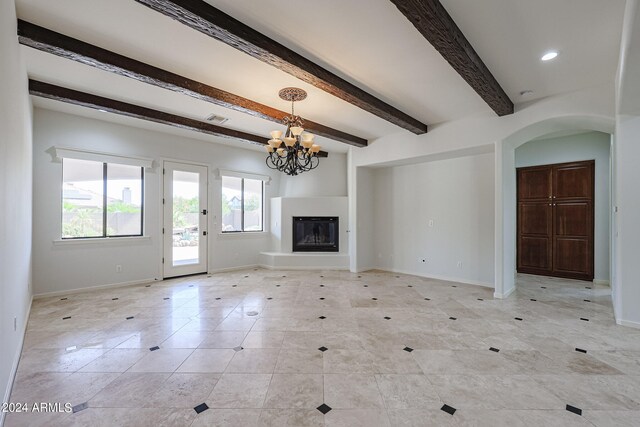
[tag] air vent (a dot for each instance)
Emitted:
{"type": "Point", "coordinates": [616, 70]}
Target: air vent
{"type": "Point", "coordinates": [218, 120]}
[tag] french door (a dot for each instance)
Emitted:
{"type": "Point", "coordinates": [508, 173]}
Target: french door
{"type": "Point", "coordinates": [185, 219]}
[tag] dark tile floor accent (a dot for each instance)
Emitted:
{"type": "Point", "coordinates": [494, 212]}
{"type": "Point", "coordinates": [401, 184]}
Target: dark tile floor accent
{"type": "Point", "coordinates": [324, 408]}
{"type": "Point", "coordinates": [573, 409]}
{"type": "Point", "coordinates": [448, 409]}
{"type": "Point", "coordinates": [201, 408]}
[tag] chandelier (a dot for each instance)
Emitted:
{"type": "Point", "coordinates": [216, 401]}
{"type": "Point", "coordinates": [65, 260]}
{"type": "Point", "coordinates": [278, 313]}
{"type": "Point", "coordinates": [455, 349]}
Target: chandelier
{"type": "Point", "coordinates": [299, 153]}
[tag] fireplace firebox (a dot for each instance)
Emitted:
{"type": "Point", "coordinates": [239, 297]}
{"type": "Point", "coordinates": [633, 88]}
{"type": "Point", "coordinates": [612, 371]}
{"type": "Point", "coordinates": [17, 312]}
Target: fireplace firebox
{"type": "Point", "coordinates": [316, 234]}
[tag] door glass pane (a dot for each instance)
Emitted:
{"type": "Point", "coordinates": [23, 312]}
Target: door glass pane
{"type": "Point", "coordinates": [124, 200]}
{"type": "Point", "coordinates": [82, 198]}
{"type": "Point", "coordinates": [231, 204]}
{"type": "Point", "coordinates": [252, 205]}
{"type": "Point", "coordinates": [186, 217]}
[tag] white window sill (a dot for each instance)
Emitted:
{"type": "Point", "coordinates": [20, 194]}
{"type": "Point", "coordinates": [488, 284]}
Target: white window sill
{"type": "Point", "coordinates": [242, 234]}
{"type": "Point", "coordinates": [101, 241]}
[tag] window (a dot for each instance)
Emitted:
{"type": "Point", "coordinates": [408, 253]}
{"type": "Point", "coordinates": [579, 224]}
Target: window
{"type": "Point", "coordinates": [242, 204]}
{"type": "Point", "coordinates": [101, 199]}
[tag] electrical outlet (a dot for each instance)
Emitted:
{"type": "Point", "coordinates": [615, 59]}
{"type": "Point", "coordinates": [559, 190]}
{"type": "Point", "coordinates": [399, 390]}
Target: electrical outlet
{"type": "Point", "coordinates": [459, 264]}
{"type": "Point", "coordinates": [430, 223]}
{"type": "Point", "coordinates": [118, 268]}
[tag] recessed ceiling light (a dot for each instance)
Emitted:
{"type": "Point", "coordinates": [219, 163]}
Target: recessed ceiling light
{"type": "Point", "coordinates": [549, 55]}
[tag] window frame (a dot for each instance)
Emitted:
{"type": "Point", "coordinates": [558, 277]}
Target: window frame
{"type": "Point", "coordinates": [262, 204]}
{"type": "Point", "coordinates": [105, 180]}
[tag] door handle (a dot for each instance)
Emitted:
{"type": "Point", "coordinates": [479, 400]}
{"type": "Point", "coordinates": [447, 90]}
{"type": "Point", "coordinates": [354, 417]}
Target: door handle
{"type": "Point", "coordinates": [204, 212]}
{"type": "Point", "coordinates": [204, 233]}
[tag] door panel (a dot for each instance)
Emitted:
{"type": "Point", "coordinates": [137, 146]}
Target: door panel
{"type": "Point", "coordinates": [573, 181]}
{"type": "Point", "coordinates": [534, 254]}
{"type": "Point", "coordinates": [571, 257]}
{"type": "Point", "coordinates": [185, 220]}
{"type": "Point", "coordinates": [534, 183]}
{"type": "Point", "coordinates": [572, 219]}
{"type": "Point", "coordinates": [535, 218]}
{"type": "Point", "coordinates": [534, 237]}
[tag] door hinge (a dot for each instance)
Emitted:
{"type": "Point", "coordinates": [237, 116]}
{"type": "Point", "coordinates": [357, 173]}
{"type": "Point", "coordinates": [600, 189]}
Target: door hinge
{"type": "Point", "coordinates": [163, 260]}
{"type": "Point", "coordinates": [163, 200]}
{"type": "Point", "coordinates": [163, 171]}
{"type": "Point", "coordinates": [162, 230]}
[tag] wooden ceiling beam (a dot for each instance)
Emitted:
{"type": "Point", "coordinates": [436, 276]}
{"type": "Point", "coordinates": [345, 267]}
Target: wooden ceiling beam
{"type": "Point", "coordinates": [67, 47]}
{"type": "Point", "coordinates": [203, 17]}
{"type": "Point", "coordinates": [84, 99]}
{"type": "Point", "coordinates": [436, 25]}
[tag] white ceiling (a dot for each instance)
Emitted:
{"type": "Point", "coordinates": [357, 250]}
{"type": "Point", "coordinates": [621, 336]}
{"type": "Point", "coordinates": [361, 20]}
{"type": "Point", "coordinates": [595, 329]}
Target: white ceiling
{"type": "Point", "coordinates": [368, 42]}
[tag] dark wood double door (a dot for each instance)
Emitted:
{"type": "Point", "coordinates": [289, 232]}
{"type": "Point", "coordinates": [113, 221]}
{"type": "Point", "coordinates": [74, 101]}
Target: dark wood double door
{"type": "Point", "coordinates": [555, 220]}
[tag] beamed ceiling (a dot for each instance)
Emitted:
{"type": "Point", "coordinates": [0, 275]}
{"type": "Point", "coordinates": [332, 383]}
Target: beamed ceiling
{"type": "Point", "coordinates": [371, 67]}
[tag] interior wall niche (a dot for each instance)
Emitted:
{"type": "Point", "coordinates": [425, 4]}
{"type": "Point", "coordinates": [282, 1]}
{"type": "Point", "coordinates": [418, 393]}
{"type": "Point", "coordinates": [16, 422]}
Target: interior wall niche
{"type": "Point", "coordinates": [574, 146]}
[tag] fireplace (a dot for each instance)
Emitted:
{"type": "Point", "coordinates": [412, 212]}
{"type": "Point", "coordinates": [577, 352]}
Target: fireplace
{"type": "Point", "coordinates": [316, 234]}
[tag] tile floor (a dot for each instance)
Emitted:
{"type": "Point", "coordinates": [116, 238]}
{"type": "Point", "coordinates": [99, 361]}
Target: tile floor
{"type": "Point", "coordinates": [330, 348]}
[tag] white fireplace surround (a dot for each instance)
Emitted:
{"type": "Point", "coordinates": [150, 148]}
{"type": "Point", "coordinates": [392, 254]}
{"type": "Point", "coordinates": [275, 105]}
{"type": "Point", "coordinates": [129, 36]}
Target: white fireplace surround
{"type": "Point", "coordinates": [283, 209]}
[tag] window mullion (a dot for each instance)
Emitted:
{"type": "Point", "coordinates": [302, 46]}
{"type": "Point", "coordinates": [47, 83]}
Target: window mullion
{"type": "Point", "coordinates": [242, 205]}
{"type": "Point", "coordinates": [142, 201]}
{"type": "Point", "coordinates": [104, 200]}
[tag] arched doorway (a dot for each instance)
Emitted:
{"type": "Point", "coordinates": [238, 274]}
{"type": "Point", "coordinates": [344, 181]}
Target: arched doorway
{"type": "Point", "coordinates": [505, 268]}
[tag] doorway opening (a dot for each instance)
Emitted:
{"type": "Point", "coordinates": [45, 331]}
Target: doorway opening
{"type": "Point", "coordinates": [563, 206]}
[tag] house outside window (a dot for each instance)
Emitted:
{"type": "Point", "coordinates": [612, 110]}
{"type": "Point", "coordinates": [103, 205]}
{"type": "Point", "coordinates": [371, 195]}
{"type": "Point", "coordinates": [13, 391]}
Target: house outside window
{"type": "Point", "coordinates": [101, 198]}
{"type": "Point", "coordinates": [242, 204]}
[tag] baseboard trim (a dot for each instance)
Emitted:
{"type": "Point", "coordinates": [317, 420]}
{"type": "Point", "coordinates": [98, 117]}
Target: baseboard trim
{"type": "Point", "coordinates": [16, 362]}
{"type": "Point", "coordinates": [600, 282]}
{"type": "Point", "coordinates": [93, 288]}
{"type": "Point", "coordinates": [504, 295]}
{"type": "Point", "coordinates": [298, 268]}
{"type": "Point", "coordinates": [238, 268]}
{"type": "Point", "coordinates": [437, 277]}
{"type": "Point", "coordinates": [628, 323]}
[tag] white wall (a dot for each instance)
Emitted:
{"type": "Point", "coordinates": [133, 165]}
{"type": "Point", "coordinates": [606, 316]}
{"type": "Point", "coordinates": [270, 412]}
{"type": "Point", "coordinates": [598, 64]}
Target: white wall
{"type": "Point", "coordinates": [15, 198]}
{"type": "Point", "coordinates": [627, 288]}
{"type": "Point", "coordinates": [585, 146]}
{"type": "Point", "coordinates": [60, 267]}
{"type": "Point", "coordinates": [458, 196]}
{"type": "Point", "coordinates": [329, 179]}
{"type": "Point", "coordinates": [364, 230]}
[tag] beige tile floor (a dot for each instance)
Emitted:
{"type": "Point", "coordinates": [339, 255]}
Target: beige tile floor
{"type": "Point", "coordinates": [397, 348]}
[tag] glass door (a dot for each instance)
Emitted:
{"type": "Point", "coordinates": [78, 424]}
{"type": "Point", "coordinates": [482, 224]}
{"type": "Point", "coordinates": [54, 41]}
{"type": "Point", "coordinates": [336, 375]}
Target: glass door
{"type": "Point", "coordinates": [185, 219]}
